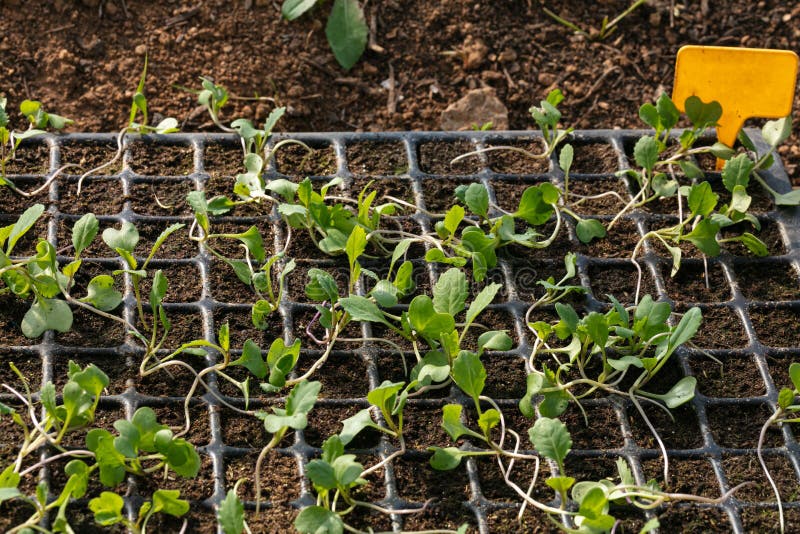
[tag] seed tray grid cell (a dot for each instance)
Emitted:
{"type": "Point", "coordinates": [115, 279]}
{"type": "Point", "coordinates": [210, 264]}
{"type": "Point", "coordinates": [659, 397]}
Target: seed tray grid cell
{"type": "Point", "coordinates": [518, 280]}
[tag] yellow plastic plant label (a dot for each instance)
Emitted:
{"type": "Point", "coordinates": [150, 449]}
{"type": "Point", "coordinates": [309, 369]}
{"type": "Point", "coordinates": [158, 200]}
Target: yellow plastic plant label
{"type": "Point", "coordinates": [747, 82]}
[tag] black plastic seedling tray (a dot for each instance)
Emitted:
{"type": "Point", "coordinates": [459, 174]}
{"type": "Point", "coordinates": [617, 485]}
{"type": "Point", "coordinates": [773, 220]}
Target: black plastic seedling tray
{"type": "Point", "coordinates": [719, 440]}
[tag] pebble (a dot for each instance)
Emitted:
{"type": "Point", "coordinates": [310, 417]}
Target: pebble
{"type": "Point", "coordinates": [140, 50]}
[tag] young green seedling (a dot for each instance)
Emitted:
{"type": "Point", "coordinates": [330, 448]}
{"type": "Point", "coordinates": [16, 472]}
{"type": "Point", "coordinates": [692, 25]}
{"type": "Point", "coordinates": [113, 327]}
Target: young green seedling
{"type": "Point", "coordinates": [108, 509]}
{"type": "Point", "coordinates": [140, 126]}
{"type": "Point", "coordinates": [785, 413]}
{"type": "Point", "coordinates": [603, 349]}
{"type": "Point", "coordinates": [260, 277]}
{"type": "Point", "coordinates": [546, 117]}
{"type": "Point", "coordinates": [230, 514]}
{"type": "Point", "coordinates": [10, 140]}
{"type": "Point", "coordinates": [607, 27]}
{"type": "Point", "coordinates": [294, 415]}
{"type": "Point", "coordinates": [346, 29]}
{"type": "Point", "coordinates": [42, 278]}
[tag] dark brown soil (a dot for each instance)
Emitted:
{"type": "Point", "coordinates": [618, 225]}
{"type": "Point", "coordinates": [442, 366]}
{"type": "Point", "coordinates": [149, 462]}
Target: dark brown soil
{"type": "Point", "coordinates": [776, 327]}
{"type": "Point", "coordinates": [770, 235]}
{"type": "Point", "coordinates": [278, 470]}
{"type": "Point", "coordinates": [30, 158]}
{"type": "Point", "coordinates": [594, 158]}
{"type": "Point", "coordinates": [513, 162]}
{"type": "Point", "coordinates": [226, 287]}
{"type": "Point", "coordinates": [295, 160]}
{"type": "Point", "coordinates": [690, 284]}
{"type": "Point", "coordinates": [198, 488]}
{"type": "Point", "coordinates": [119, 373]}
{"type": "Point", "coordinates": [240, 324]}
{"type": "Point", "coordinates": [344, 375]}
{"type": "Point", "coordinates": [223, 160]}
{"type": "Point", "coordinates": [183, 282]}
{"type": "Point", "coordinates": [681, 433]}
{"type": "Point", "coordinates": [740, 469]}
{"type": "Point", "coordinates": [761, 519]}
{"type": "Point", "coordinates": [91, 330]}
{"type": "Point", "coordinates": [422, 427]}
{"type": "Point", "coordinates": [505, 376]}
{"type": "Point", "coordinates": [619, 243]}
{"type": "Point", "coordinates": [620, 281]}
{"type": "Point", "coordinates": [167, 199]}
{"type": "Point", "coordinates": [439, 193]}
{"type": "Point", "coordinates": [585, 435]}
{"type": "Point", "coordinates": [90, 155]}
{"type": "Point", "coordinates": [695, 520]}
{"type": "Point", "coordinates": [737, 377]}
{"type": "Point", "coordinates": [605, 205]}
{"type": "Point", "coordinates": [396, 187]}
{"type": "Point", "coordinates": [30, 365]}
{"type": "Point", "coordinates": [693, 476]}
{"type": "Point", "coordinates": [326, 420]}
{"type": "Point", "coordinates": [14, 204]}
{"type": "Point", "coordinates": [14, 310]}
{"type": "Point", "coordinates": [175, 383]}
{"type": "Point", "coordinates": [239, 430]}
{"type": "Point", "coordinates": [738, 426]}
{"type": "Point", "coordinates": [176, 245]}
{"type": "Point", "coordinates": [98, 195]}
{"type": "Point", "coordinates": [417, 481]}
{"type": "Point", "coordinates": [435, 157]}
{"type": "Point", "coordinates": [149, 159]}
{"type": "Point", "coordinates": [768, 281]}
{"type": "Point", "coordinates": [377, 159]}
{"type": "Point", "coordinates": [721, 329]}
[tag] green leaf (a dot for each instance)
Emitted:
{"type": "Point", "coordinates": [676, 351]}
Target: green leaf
{"type": "Point", "coordinates": [298, 403]}
{"type": "Point", "coordinates": [532, 207]}
{"type": "Point", "coordinates": [362, 309]}
{"type": "Point", "coordinates": [482, 300]}
{"type": "Point", "coordinates": [737, 172]}
{"type": "Point", "coordinates": [776, 132]}
{"type": "Point", "coordinates": [46, 314]}
{"type": "Point", "coordinates": [321, 474]}
{"type": "Point", "coordinates": [125, 238]}
{"type": "Point", "coordinates": [588, 229]}
{"type": "Point", "coordinates": [347, 32]}
{"type": "Point", "coordinates": [230, 514]}
{"type": "Point", "coordinates": [495, 340]}
{"type": "Point", "coordinates": [469, 374]}
{"type": "Point", "coordinates": [426, 321]}
{"type": "Point", "coordinates": [488, 420]}
{"type": "Point", "coordinates": [560, 484]}
{"type": "Point", "coordinates": [84, 232]}
{"type": "Point", "coordinates": [451, 421]}
{"type": "Point", "coordinates": [445, 459]}
{"type": "Point", "coordinates": [107, 508]}
{"type": "Point", "coordinates": [23, 224]}
{"type": "Point", "coordinates": [356, 244]}
{"type": "Point", "coordinates": [702, 200]}
{"type": "Point", "coordinates": [477, 199]}
{"type": "Point", "coordinates": [254, 242]}
{"type": "Point", "coordinates": [355, 424]}
{"type": "Point", "coordinates": [785, 398]}
{"type": "Point", "coordinates": [453, 218]}
{"type": "Point", "coordinates": [702, 115]}
{"type": "Point", "coordinates": [794, 375]}
{"type": "Point", "coordinates": [435, 255]}
{"type": "Point", "coordinates": [668, 113]}
{"type": "Point", "coordinates": [645, 152]}
{"type": "Point", "coordinates": [101, 293]}
{"type": "Point", "coordinates": [691, 171]}
{"type": "Point", "coordinates": [649, 115]}
{"type": "Point", "coordinates": [318, 520]}
{"type": "Point", "coordinates": [551, 438]}
{"type": "Point", "coordinates": [180, 455]}
{"type": "Point", "coordinates": [169, 502]}
{"type": "Point", "coordinates": [704, 237]}
{"type": "Point", "coordinates": [681, 393]}
{"type": "Point", "coordinates": [433, 368]}
{"type": "Point", "coordinates": [252, 359]}
{"type": "Point", "coordinates": [566, 157]}
{"type": "Point", "coordinates": [450, 292]}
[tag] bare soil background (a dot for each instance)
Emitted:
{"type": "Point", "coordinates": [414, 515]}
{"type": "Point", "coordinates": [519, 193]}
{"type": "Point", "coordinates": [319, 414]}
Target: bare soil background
{"type": "Point", "coordinates": [82, 58]}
